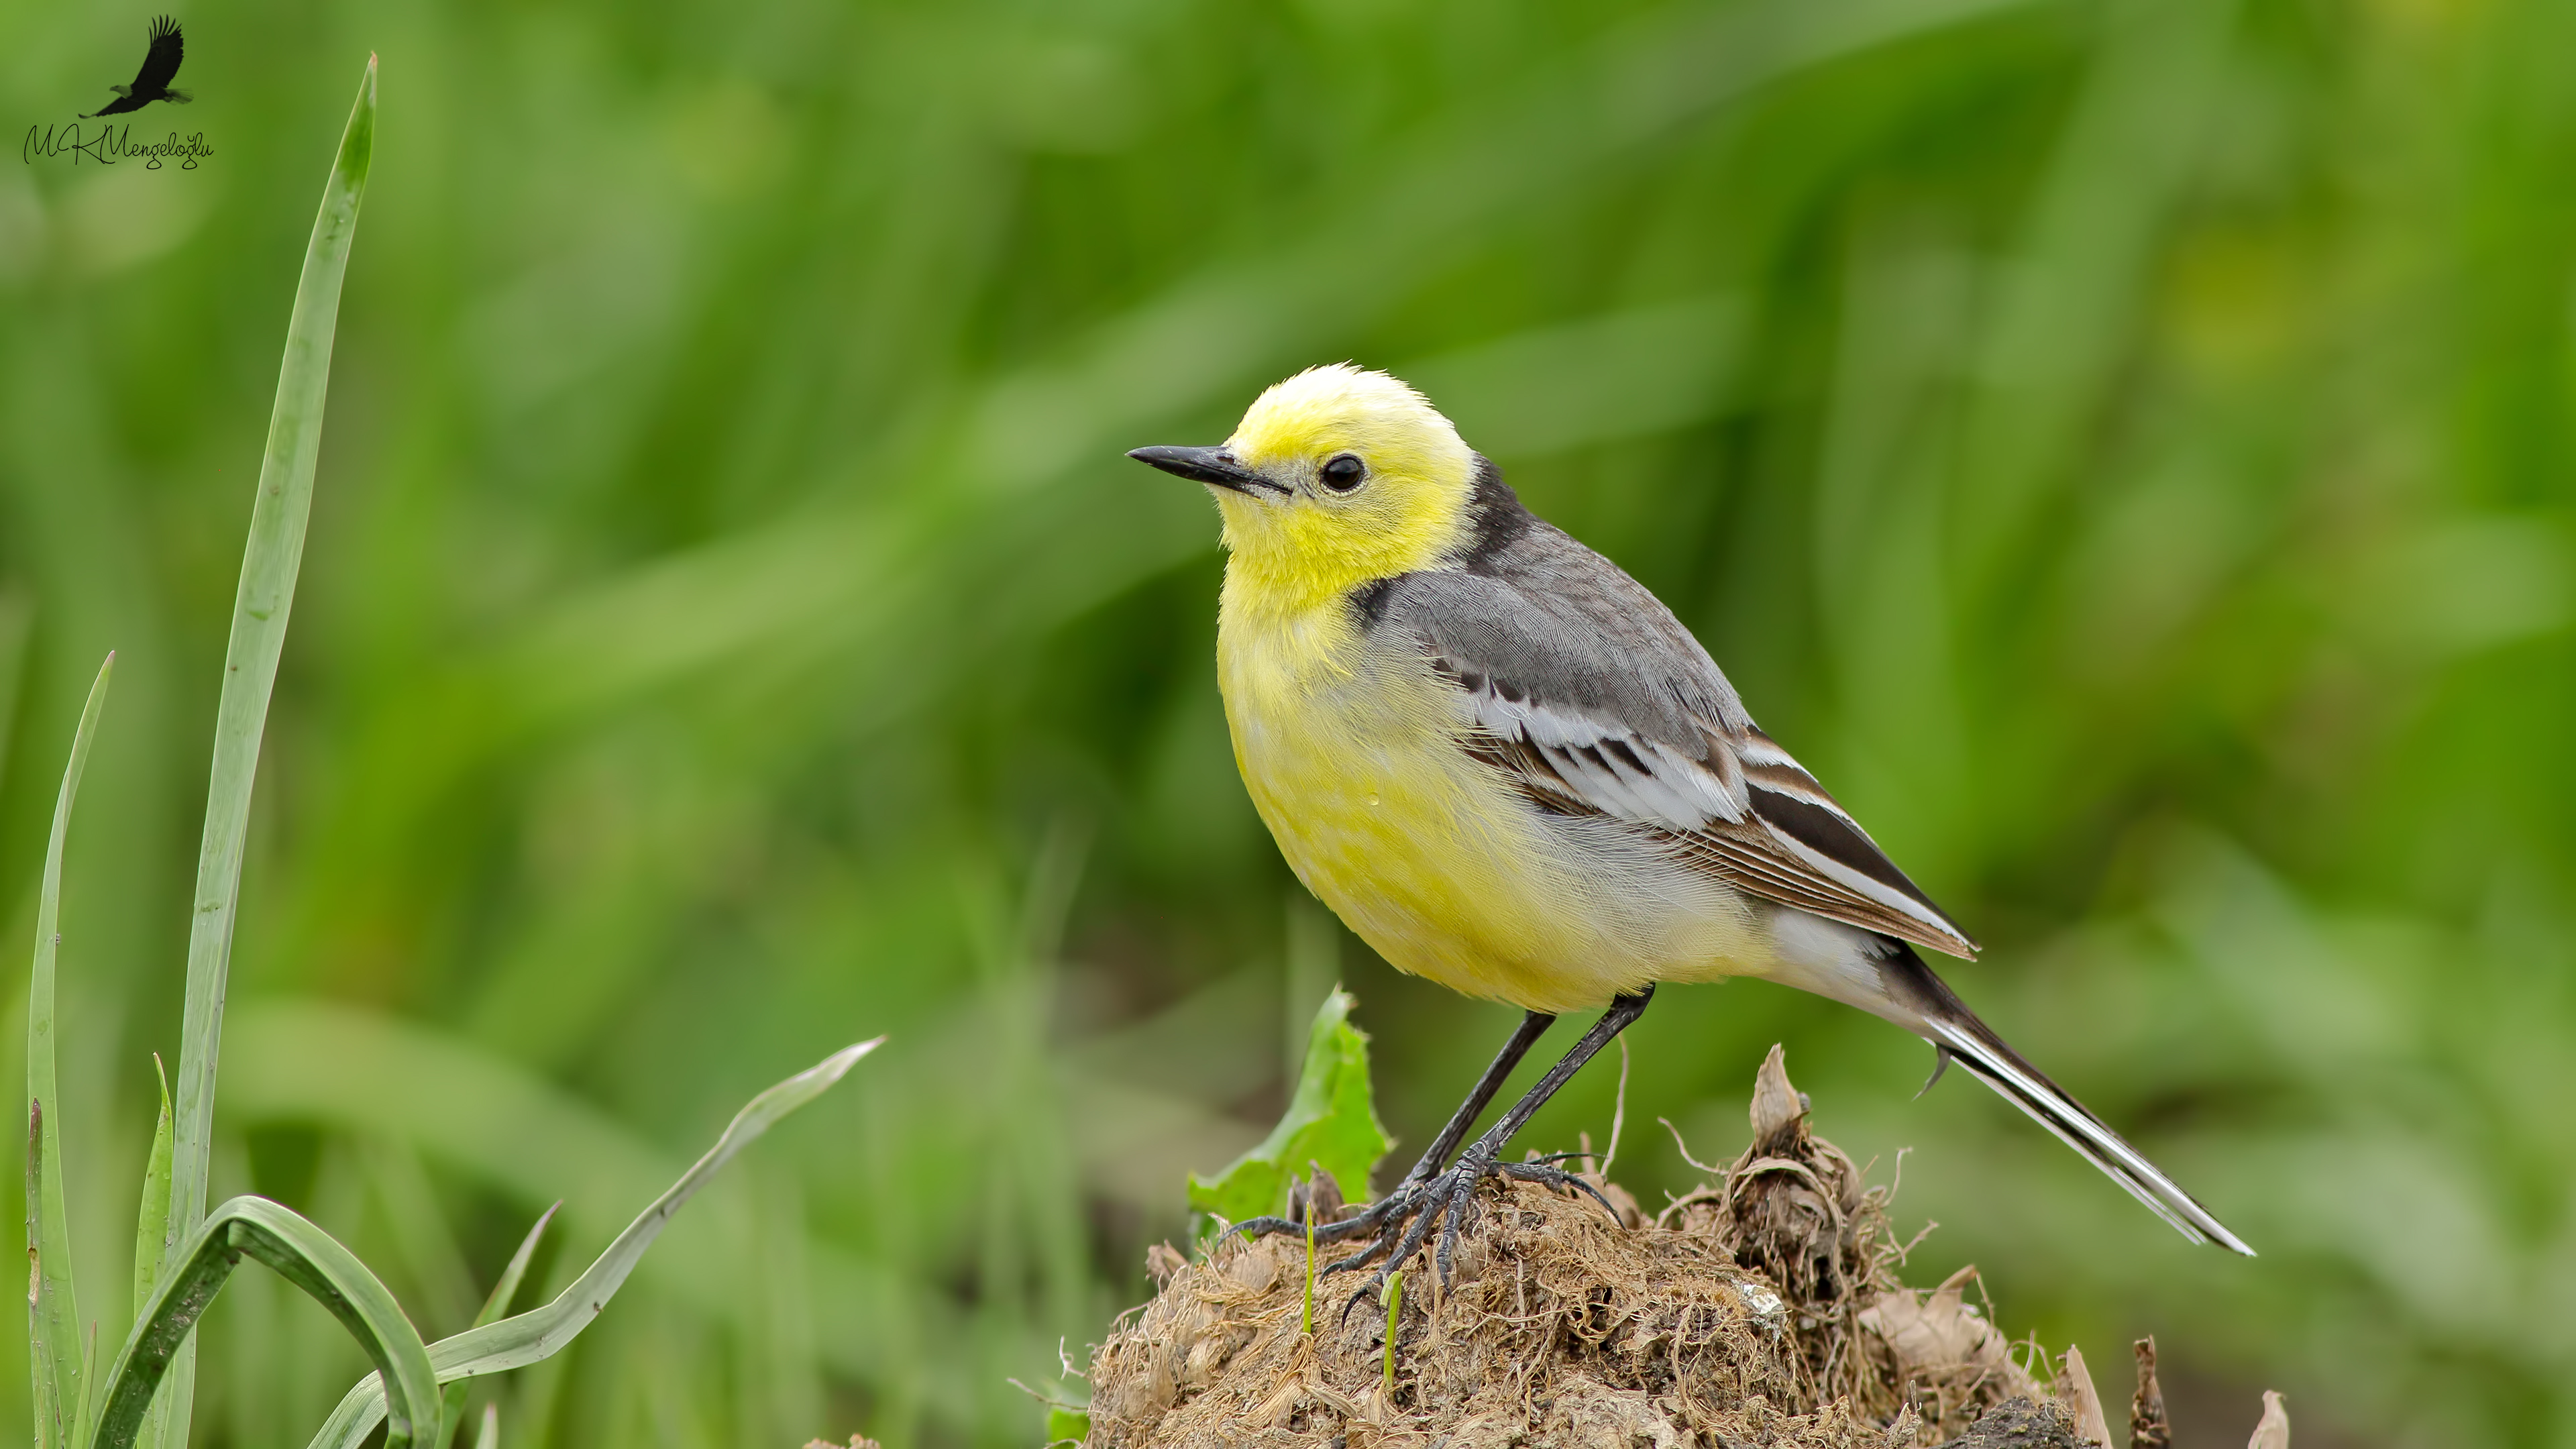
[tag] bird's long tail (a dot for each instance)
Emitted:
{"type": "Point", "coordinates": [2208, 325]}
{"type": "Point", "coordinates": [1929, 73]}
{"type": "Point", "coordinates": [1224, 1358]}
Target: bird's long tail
{"type": "Point", "coordinates": [1941, 1018]}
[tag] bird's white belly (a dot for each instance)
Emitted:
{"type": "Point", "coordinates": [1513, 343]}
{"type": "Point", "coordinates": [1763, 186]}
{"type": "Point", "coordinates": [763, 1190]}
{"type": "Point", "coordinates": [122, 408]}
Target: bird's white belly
{"type": "Point", "coordinates": [1355, 761]}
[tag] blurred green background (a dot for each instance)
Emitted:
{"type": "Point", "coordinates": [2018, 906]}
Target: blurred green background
{"type": "Point", "coordinates": [2124, 447]}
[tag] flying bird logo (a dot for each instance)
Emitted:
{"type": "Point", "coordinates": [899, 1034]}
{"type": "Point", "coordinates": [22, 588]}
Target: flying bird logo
{"type": "Point", "coordinates": [152, 82]}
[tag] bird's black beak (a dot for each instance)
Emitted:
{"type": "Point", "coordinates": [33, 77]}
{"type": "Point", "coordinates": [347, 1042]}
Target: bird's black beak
{"type": "Point", "coordinates": [1208, 465]}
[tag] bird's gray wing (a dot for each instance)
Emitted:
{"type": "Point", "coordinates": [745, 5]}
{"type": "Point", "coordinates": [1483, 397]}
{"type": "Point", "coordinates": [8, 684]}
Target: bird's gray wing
{"type": "Point", "coordinates": [1588, 693]}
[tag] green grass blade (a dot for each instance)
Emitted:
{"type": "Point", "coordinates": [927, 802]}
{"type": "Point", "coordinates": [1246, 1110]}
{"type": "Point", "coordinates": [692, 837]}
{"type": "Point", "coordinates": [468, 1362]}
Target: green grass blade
{"type": "Point", "coordinates": [303, 1255]}
{"type": "Point", "coordinates": [490, 1438]}
{"type": "Point", "coordinates": [152, 1235]}
{"type": "Point", "coordinates": [270, 564]}
{"type": "Point", "coordinates": [152, 1220]}
{"type": "Point", "coordinates": [43, 1394]}
{"type": "Point", "coordinates": [542, 1332]}
{"type": "Point", "coordinates": [498, 1305]}
{"type": "Point", "coordinates": [494, 1308]}
{"type": "Point", "coordinates": [1394, 1310]}
{"type": "Point", "coordinates": [89, 1383]}
{"type": "Point", "coordinates": [53, 1313]}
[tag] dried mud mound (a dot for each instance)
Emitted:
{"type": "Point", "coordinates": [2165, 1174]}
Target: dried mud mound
{"type": "Point", "coordinates": [1762, 1309]}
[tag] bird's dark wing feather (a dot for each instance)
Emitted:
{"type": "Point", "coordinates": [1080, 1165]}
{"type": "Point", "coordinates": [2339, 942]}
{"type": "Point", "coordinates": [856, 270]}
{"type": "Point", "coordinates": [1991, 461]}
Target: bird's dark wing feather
{"type": "Point", "coordinates": [161, 62]}
{"type": "Point", "coordinates": [1594, 700]}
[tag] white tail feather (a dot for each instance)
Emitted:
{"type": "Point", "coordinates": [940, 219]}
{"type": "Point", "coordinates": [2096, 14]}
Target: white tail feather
{"type": "Point", "coordinates": [1886, 978]}
{"type": "Point", "coordinates": [2078, 1128]}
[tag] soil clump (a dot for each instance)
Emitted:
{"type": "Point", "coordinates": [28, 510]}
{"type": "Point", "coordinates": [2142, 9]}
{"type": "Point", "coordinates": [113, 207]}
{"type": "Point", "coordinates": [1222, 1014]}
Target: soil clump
{"type": "Point", "coordinates": [1761, 1309]}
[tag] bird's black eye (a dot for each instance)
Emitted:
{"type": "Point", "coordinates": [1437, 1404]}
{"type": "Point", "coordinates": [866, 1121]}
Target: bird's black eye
{"type": "Point", "coordinates": [1343, 471]}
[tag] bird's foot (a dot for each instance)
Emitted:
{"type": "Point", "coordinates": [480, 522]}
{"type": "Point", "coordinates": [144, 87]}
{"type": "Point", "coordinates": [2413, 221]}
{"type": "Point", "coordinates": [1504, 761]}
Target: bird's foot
{"type": "Point", "coordinates": [1339, 1230]}
{"type": "Point", "coordinates": [1402, 1221]}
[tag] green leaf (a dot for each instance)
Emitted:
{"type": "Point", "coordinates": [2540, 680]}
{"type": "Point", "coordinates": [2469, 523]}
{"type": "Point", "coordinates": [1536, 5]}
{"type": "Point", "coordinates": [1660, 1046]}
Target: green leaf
{"type": "Point", "coordinates": [452, 1406]}
{"type": "Point", "coordinates": [490, 1437]}
{"type": "Point", "coordinates": [541, 1333]}
{"type": "Point", "coordinates": [152, 1236]}
{"type": "Point", "coordinates": [1394, 1308]}
{"type": "Point", "coordinates": [57, 1362]}
{"type": "Point", "coordinates": [270, 563]}
{"type": "Point", "coordinates": [152, 1221]}
{"type": "Point", "coordinates": [89, 1379]}
{"type": "Point", "coordinates": [303, 1255]}
{"type": "Point", "coordinates": [1331, 1121]}
{"type": "Point", "coordinates": [503, 1291]}
{"type": "Point", "coordinates": [1067, 1426]}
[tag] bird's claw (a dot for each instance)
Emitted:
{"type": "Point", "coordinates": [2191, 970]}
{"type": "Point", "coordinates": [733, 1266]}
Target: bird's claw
{"type": "Point", "coordinates": [1547, 1176]}
{"type": "Point", "coordinates": [1404, 1219]}
{"type": "Point", "coordinates": [1332, 1232]}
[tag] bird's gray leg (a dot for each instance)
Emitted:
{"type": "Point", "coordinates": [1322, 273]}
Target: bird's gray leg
{"type": "Point", "coordinates": [1450, 1196]}
{"type": "Point", "coordinates": [1623, 1011]}
{"type": "Point", "coordinates": [1524, 1036]}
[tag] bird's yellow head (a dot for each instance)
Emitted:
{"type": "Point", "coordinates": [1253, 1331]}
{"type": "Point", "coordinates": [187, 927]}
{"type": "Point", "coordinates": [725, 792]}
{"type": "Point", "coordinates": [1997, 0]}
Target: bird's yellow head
{"type": "Point", "coordinates": [1335, 477]}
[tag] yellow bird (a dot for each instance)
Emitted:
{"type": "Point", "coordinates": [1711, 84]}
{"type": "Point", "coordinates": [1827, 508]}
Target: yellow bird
{"type": "Point", "coordinates": [1510, 769]}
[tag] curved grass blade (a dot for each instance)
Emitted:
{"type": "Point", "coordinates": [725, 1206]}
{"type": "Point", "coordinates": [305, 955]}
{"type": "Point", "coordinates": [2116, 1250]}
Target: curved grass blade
{"type": "Point", "coordinates": [542, 1332]}
{"type": "Point", "coordinates": [303, 1255]}
{"type": "Point", "coordinates": [57, 1363]}
{"type": "Point", "coordinates": [270, 564]}
{"type": "Point", "coordinates": [517, 1271]}
{"type": "Point", "coordinates": [452, 1405]}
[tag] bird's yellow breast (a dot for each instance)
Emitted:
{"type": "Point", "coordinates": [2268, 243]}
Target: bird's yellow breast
{"type": "Point", "coordinates": [1353, 751]}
